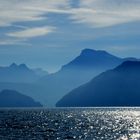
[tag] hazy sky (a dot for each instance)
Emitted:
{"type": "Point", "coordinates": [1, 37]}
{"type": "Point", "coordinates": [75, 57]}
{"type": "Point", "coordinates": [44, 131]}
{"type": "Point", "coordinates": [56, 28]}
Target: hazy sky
{"type": "Point", "coordinates": [50, 33]}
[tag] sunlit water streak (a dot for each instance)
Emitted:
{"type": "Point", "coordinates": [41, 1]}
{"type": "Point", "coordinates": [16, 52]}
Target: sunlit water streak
{"type": "Point", "coordinates": [70, 123]}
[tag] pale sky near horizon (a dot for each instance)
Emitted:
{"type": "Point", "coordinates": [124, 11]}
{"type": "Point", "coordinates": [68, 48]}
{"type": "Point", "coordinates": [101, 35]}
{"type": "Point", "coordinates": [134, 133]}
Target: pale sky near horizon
{"type": "Point", "coordinates": [50, 33]}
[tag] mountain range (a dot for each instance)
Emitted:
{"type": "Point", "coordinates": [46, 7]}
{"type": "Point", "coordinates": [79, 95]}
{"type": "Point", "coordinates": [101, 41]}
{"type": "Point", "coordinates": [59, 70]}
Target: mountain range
{"type": "Point", "coordinates": [117, 87]}
{"type": "Point", "coordinates": [49, 88]}
{"type": "Point", "coordinates": [80, 70]}
{"type": "Point", "coordinates": [20, 74]}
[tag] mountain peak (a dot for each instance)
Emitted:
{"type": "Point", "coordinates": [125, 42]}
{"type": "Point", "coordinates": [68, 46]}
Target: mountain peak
{"type": "Point", "coordinates": [129, 64]}
{"type": "Point", "coordinates": [23, 66]}
{"type": "Point", "coordinates": [89, 59]}
{"type": "Point", "coordinates": [13, 65]}
{"type": "Point", "coordinates": [89, 52]}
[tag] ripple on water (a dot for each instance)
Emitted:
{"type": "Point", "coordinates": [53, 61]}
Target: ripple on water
{"type": "Point", "coordinates": [80, 123]}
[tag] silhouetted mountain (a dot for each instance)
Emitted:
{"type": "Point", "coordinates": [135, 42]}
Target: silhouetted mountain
{"type": "Point", "coordinates": [23, 80]}
{"type": "Point", "coordinates": [18, 73]}
{"type": "Point", "coordinates": [11, 98]}
{"type": "Point", "coordinates": [92, 59]}
{"type": "Point", "coordinates": [51, 88]}
{"type": "Point", "coordinates": [117, 87]}
{"type": "Point", "coordinates": [37, 92]}
{"type": "Point", "coordinates": [83, 68]}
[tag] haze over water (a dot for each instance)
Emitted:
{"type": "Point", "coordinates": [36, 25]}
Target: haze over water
{"type": "Point", "coordinates": [70, 123]}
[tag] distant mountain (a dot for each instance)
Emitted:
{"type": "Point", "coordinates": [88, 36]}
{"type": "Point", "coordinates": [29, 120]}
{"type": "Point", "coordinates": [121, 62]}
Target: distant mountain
{"type": "Point", "coordinates": [11, 98]}
{"type": "Point", "coordinates": [51, 88]}
{"type": "Point", "coordinates": [18, 73]}
{"type": "Point", "coordinates": [116, 87]}
{"type": "Point", "coordinates": [83, 68]}
{"type": "Point", "coordinates": [91, 59]}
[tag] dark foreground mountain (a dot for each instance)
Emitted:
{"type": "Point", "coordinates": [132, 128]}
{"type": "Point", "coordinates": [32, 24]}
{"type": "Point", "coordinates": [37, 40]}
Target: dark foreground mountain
{"type": "Point", "coordinates": [83, 68]}
{"type": "Point", "coordinates": [51, 88]}
{"type": "Point", "coordinates": [19, 74]}
{"type": "Point", "coordinates": [11, 98]}
{"type": "Point", "coordinates": [117, 87]}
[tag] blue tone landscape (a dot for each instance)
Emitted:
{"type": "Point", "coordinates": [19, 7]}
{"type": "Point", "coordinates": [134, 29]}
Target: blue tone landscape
{"type": "Point", "coordinates": [70, 69]}
{"type": "Point", "coordinates": [50, 48]}
{"type": "Point", "coordinates": [48, 89]}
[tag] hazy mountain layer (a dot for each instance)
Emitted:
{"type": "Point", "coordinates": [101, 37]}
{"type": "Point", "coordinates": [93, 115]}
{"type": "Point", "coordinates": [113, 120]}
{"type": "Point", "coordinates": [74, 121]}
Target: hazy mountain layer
{"type": "Point", "coordinates": [83, 68]}
{"type": "Point", "coordinates": [51, 88]}
{"type": "Point", "coordinates": [117, 87]}
{"type": "Point", "coordinates": [20, 74]}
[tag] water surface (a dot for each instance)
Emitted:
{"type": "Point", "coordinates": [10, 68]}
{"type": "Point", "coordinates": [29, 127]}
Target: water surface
{"type": "Point", "coordinates": [70, 123]}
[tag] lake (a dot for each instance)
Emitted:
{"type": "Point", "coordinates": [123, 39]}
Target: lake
{"type": "Point", "coordinates": [70, 123]}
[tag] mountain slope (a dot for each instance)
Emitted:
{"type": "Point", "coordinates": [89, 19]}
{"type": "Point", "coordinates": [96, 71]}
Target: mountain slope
{"type": "Point", "coordinates": [18, 73]}
{"type": "Point", "coordinates": [91, 58]}
{"type": "Point", "coordinates": [83, 68]}
{"type": "Point", "coordinates": [37, 92]}
{"type": "Point", "coordinates": [11, 98]}
{"type": "Point", "coordinates": [51, 88]}
{"type": "Point", "coordinates": [117, 87]}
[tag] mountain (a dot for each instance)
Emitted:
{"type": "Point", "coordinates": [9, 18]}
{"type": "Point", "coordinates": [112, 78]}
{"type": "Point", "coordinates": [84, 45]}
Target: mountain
{"type": "Point", "coordinates": [117, 87]}
{"type": "Point", "coordinates": [23, 79]}
{"type": "Point", "coordinates": [92, 59]}
{"type": "Point", "coordinates": [11, 98]}
{"type": "Point", "coordinates": [37, 92]}
{"type": "Point", "coordinates": [83, 68]}
{"type": "Point", "coordinates": [18, 73]}
{"type": "Point", "coordinates": [52, 87]}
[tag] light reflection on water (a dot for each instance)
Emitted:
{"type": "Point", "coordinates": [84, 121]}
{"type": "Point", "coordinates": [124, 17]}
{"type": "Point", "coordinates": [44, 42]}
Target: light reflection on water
{"type": "Point", "coordinates": [70, 123]}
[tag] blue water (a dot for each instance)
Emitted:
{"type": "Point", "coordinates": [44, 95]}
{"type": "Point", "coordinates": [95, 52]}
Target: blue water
{"type": "Point", "coordinates": [70, 123]}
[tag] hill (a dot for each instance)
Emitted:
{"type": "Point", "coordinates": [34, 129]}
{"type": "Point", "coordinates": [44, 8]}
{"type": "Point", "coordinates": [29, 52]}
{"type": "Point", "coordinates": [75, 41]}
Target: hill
{"type": "Point", "coordinates": [116, 87]}
{"type": "Point", "coordinates": [11, 98]}
{"type": "Point", "coordinates": [19, 74]}
{"type": "Point", "coordinates": [80, 70]}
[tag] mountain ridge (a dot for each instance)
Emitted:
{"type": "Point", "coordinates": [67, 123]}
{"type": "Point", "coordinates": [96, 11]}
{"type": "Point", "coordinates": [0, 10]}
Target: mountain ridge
{"type": "Point", "coordinates": [51, 88]}
{"type": "Point", "coordinates": [18, 73]}
{"type": "Point", "coordinates": [78, 71]}
{"type": "Point", "coordinates": [117, 87]}
{"type": "Point", "coordinates": [12, 98]}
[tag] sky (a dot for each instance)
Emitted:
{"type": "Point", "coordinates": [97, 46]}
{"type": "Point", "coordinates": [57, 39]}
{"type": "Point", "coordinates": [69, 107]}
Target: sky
{"type": "Point", "coordinates": [50, 33]}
